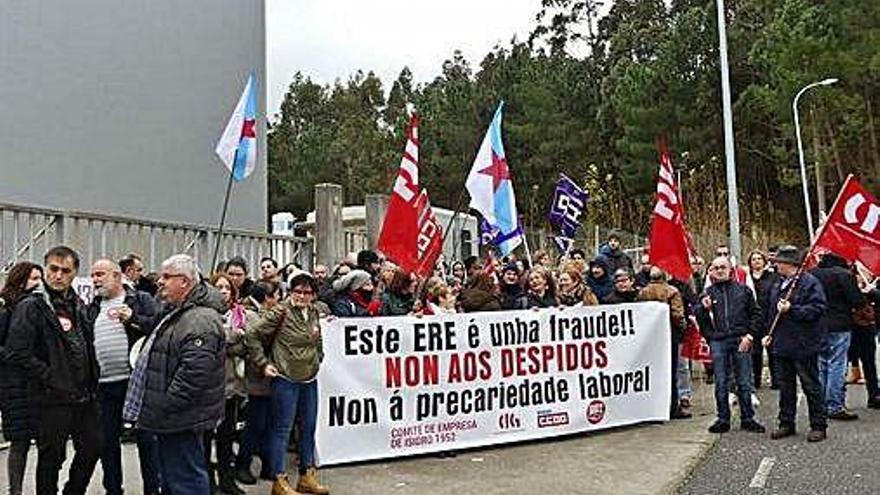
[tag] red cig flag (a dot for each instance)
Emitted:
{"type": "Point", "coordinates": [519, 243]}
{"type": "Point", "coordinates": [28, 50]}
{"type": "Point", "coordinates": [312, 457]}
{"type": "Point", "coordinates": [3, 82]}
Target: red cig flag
{"type": "Point", "coordinates": [411, 237]}
{"type": "Point", "coordinates": [852, 229]}
{"type": "Point", "coordinates": [668, 239]}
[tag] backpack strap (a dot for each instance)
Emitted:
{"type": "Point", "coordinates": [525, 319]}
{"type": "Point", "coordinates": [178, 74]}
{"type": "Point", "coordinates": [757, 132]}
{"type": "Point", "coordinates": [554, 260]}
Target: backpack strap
{"type": "Point", "coordinates": [271, 341]}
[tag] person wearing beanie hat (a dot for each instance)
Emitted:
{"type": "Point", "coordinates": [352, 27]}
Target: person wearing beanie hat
{"type": "Point", "coordinates": [354, 295]}
{"type": "Point", "coordinates": [369, 262]}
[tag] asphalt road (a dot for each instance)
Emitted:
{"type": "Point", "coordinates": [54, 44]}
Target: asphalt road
{"type": "Point", "coordinates": [747, 463]}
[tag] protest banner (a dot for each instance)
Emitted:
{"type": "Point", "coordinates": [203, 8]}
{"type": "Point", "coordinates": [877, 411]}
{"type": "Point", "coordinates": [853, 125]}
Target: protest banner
{"type": "Point", "coordinates": [398, 386]}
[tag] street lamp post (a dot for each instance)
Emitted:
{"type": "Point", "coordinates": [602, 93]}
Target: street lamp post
{"type": "Point", "coordinates": [797, 127]}
{"type": "Point", "coordinates": [732, 195]}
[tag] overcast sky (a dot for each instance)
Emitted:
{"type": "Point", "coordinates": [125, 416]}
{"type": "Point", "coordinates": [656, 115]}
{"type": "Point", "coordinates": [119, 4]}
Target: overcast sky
{"type": "Point", "coordinates": [330, 39]}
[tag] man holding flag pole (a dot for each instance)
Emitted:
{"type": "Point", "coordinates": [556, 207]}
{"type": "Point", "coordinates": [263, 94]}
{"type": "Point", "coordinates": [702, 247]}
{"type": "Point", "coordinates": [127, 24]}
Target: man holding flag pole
{"type": "Point", "coordinates": [852, 231]}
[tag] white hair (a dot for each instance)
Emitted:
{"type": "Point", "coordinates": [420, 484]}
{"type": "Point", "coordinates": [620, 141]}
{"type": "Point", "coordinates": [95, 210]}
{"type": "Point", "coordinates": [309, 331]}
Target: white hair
{"type": "Point", "coordinates": [183, 264]}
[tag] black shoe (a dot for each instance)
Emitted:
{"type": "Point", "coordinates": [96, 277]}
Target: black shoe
{"type": "Point", "coordinates": [244, 476]}
{"type": "Point", "coordinates": [753, 426]}
{"type": "Point", "coordinates": [227, 484]}
{"type": "Point", "coordinates": [816, 435]}
{"type": "Point", "coordinates": [874, 403]}
{"type": "Point", "coordinates": [679, 414]}
{"type": "Point", "coordinates": [782, 432]}
{"type": "Point", "coordinates": [843, 415]}
{"type": "Point", "coordinates": [212, 480]}
{"type": "Point", "coordinates": [719, 427]}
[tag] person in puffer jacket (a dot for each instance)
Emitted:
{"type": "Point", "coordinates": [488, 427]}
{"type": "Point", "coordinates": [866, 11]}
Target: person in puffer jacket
{"type": "Point", "coordinates": [177, 387]}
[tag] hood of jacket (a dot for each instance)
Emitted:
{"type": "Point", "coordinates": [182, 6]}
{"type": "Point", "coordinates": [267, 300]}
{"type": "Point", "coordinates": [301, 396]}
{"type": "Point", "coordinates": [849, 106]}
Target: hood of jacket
{"type": "Point", "coordinates": [206, 296]}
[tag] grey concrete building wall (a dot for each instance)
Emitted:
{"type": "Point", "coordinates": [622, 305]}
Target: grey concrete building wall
{"type": "Point", "coordinates": [115, 106]}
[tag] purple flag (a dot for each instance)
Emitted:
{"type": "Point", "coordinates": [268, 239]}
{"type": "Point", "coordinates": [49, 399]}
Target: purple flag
{"type": "Point", "coordinates": [569, 203]}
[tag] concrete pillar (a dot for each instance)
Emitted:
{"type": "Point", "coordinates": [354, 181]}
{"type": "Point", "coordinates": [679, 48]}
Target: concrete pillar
{"type": "Point", "coordinates": [375, 205]}
{"type": "Point", "coordinates": [329, 234]}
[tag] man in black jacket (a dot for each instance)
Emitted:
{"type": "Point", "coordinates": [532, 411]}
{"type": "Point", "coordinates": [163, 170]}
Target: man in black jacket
{"type": "Point", "coordinates": [843, 295]}
{"type": "Point", "coordinates": [176, 389]}
{"type": "Point", "coordinates": [121, 316]}
{"type": "Point", "coordinates": [728, 317]}
{"type": "Point", "coordinates": [52, 339]}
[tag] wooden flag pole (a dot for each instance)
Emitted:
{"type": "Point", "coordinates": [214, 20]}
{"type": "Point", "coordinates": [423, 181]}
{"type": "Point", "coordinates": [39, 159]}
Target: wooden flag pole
{"type": "Point", "coordinates": [797, 276]}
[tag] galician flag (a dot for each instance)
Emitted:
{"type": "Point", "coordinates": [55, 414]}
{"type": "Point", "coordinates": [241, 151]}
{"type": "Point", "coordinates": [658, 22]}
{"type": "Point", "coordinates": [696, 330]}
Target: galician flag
{"type": "Point", "coordinates": [237, 147]}
{"type": "Point", "coordinates": [491, 189]}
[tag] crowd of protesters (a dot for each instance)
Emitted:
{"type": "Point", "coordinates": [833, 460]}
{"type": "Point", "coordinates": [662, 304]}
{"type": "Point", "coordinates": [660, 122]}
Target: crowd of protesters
{"type": "Point", "coordinates": [186, 357]}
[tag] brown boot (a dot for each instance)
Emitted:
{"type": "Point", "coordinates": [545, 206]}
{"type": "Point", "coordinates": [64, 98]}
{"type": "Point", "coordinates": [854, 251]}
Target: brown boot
{"type": "Point", "coordinates": [308, 483]}
{"type": "Point", "coordinates": [854, 375]}
{"type": "Point", "coordinates": [282, 486]}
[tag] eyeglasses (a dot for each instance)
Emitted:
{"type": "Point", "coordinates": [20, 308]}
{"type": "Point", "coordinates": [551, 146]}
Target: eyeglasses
{"type": "Point", "coordinates": [716, 268]}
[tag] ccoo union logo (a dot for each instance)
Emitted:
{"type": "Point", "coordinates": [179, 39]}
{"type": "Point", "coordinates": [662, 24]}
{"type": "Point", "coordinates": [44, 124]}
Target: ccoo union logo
{"type": "Point", "coordinates": [509, 422]}
{"type": "Point", "coordinates": [551, 419]}
{"type": "Point", "coordinates": [596, 412]}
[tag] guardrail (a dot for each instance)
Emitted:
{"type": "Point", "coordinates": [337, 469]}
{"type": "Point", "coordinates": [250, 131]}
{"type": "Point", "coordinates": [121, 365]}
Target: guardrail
{"type": "Point", "coordinates": [26, 233]}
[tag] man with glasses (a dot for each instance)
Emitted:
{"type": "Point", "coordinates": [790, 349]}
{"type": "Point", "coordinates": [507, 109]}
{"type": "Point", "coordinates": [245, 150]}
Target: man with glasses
{"type": "Point", "coordinates": [728, 318]}
{"type": "Point", "coordinates": [624, 291]}
{"type": "Point", "coordinates": [51, 337]}
{"type": "Point", "coordinates": [176, 389]}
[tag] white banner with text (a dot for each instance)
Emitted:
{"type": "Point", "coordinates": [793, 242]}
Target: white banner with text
{"type": "Point", "coordinates": [398, 386]}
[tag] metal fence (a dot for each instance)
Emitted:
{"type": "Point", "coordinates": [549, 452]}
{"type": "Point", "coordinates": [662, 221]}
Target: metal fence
{"type": "Point", "coordinates": [26, 233]}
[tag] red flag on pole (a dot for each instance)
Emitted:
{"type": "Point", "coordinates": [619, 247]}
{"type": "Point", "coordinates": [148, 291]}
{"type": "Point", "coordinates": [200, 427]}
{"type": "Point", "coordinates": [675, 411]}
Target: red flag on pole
{"type": "Point", "coordinates": [668, 239]}
{"type": "Point", "coordinates": [411, 236]}
{"type": "Point", "coordinates": [852, 229]}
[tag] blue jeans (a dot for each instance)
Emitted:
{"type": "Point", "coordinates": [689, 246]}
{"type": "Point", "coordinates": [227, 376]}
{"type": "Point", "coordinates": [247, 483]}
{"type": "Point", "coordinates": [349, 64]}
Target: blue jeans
{"type": "Point", "coordinates": [832, 369]}
{"type": "Point", "coordinates": [182, 463]}
{"type": "Point", "coordinates": [111, 398]}
{"type": "Point", "coordinates": [288, 398]}
{"type": "Point", "coordinates": [725, 353]}
{"type": "Point", "coordinates": [255, 438]}
{"type": "Point", "coordinates": [684, 377]}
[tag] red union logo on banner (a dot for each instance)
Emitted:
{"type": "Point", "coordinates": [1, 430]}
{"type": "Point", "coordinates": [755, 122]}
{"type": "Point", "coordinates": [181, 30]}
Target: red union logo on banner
{"type": "Point", "coordinates": [596, 412]}
{"type": "Point", "coordinates": [851, 229]}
